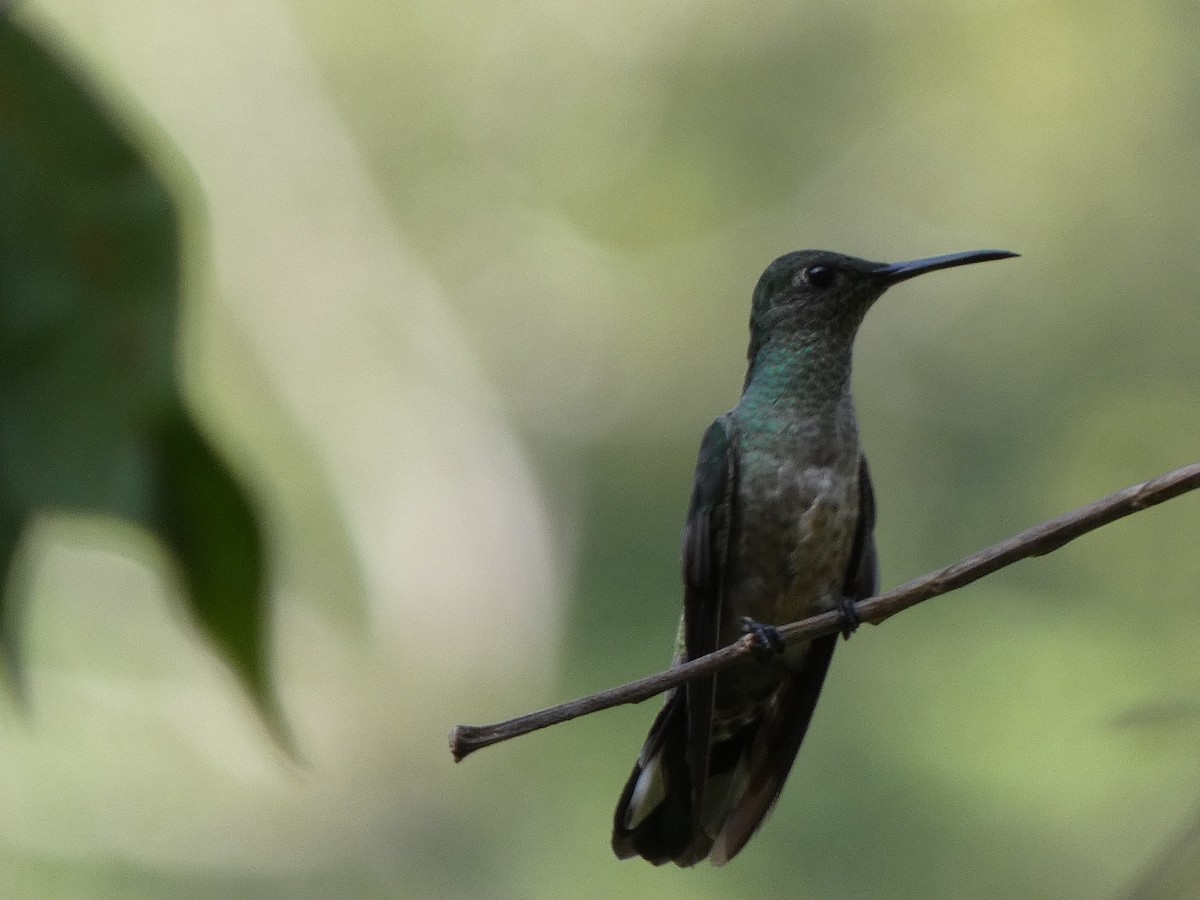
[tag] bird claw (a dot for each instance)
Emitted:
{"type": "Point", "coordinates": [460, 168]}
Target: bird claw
{"type": "Point", "coordinates": [768, 643]}
{"type": "Point", "coordinates": [850, 617]}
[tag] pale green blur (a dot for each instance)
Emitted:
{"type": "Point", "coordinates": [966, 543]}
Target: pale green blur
{"type": "Point", "coordinates": [468, 281]}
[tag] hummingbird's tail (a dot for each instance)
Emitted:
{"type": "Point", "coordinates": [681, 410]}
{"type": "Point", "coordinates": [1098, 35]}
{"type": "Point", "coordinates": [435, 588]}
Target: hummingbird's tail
{"type": "Point", "coordinates": [748, 766]}
{"type": "Point", "coordinates": [654, 815]}
{"type": "Point", "coordinates": [772, 750]}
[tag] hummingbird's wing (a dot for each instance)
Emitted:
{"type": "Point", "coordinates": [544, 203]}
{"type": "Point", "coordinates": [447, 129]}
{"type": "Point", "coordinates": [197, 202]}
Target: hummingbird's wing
{"type": "Point", "coordinates": [862, 576]}
{"type": "Point", "coordinates": [658, 814]}
{"type": "Point", "coordinates": [777, 745]}
{"type": "Point", "coordinates": [705, 550]}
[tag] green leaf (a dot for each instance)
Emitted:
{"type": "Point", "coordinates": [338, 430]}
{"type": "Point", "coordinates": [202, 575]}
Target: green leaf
{"type": "Point", "coordinates": [204, 518]}
{"type": "Point", "coordinates": [91, 418]}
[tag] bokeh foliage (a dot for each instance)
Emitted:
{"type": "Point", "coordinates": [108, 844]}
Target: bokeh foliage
{"type": "Point", "coordinates": [91, 418]}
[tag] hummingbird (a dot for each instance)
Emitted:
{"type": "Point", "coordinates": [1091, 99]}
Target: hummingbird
{"type": "Point", "coordinates": [780, 526]}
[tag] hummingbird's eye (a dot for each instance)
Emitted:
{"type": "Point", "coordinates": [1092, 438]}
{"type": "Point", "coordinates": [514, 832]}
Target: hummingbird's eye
{"type": "Point", "coordinates": [819, 276]}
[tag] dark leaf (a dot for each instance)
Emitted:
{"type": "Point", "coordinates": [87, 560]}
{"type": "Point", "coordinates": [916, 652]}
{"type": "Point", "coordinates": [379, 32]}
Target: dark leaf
{"type": "Point", "coordinates": [91, 418]}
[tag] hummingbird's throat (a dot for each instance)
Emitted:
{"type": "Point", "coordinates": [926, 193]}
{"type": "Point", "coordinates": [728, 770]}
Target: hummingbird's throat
{"type": "Point", "coordinates": [804, 373]}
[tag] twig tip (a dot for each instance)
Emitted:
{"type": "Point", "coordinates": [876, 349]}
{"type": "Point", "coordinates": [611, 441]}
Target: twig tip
{"type": "Point", "coordinates": [460, 742]}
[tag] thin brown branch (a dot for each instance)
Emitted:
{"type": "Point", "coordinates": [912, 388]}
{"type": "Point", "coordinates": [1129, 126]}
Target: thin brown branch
{"type": "Point", "coordinates": [1036, 541]}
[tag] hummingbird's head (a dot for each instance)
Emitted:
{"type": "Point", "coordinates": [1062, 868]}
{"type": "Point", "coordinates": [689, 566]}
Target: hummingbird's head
{"type": "Point", "coordinates": [817, 291]}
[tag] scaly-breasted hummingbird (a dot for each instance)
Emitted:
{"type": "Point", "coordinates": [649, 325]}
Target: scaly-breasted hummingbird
{"type": "Point", "coordinates": [779, 527]}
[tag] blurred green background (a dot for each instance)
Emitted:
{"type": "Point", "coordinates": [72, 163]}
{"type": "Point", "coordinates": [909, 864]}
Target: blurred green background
{"type": "Point", "coordinates": [463, 285]}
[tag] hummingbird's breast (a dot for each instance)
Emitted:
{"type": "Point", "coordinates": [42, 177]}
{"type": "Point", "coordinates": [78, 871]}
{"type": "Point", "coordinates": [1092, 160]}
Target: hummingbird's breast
{"type": "Point", "coordinates": [794, 520]}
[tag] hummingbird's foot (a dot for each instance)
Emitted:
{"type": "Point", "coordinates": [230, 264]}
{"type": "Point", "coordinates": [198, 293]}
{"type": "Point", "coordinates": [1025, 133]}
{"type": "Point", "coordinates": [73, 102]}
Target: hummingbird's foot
{"type": "Point", "coordinates": [767, 641]}
{"type": "Point", "coordinates": [850, 617]}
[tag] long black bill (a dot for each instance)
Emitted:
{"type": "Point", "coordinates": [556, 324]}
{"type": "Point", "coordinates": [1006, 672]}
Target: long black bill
{"type": "Point", "coordinates": [902, 271]}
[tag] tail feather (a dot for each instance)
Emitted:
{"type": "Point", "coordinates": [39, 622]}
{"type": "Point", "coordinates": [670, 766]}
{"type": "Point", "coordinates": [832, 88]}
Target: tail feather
{"type": "Point", "coordinates": [655, 817]}
{"type": "Point", "coordinates": [774, 752]}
